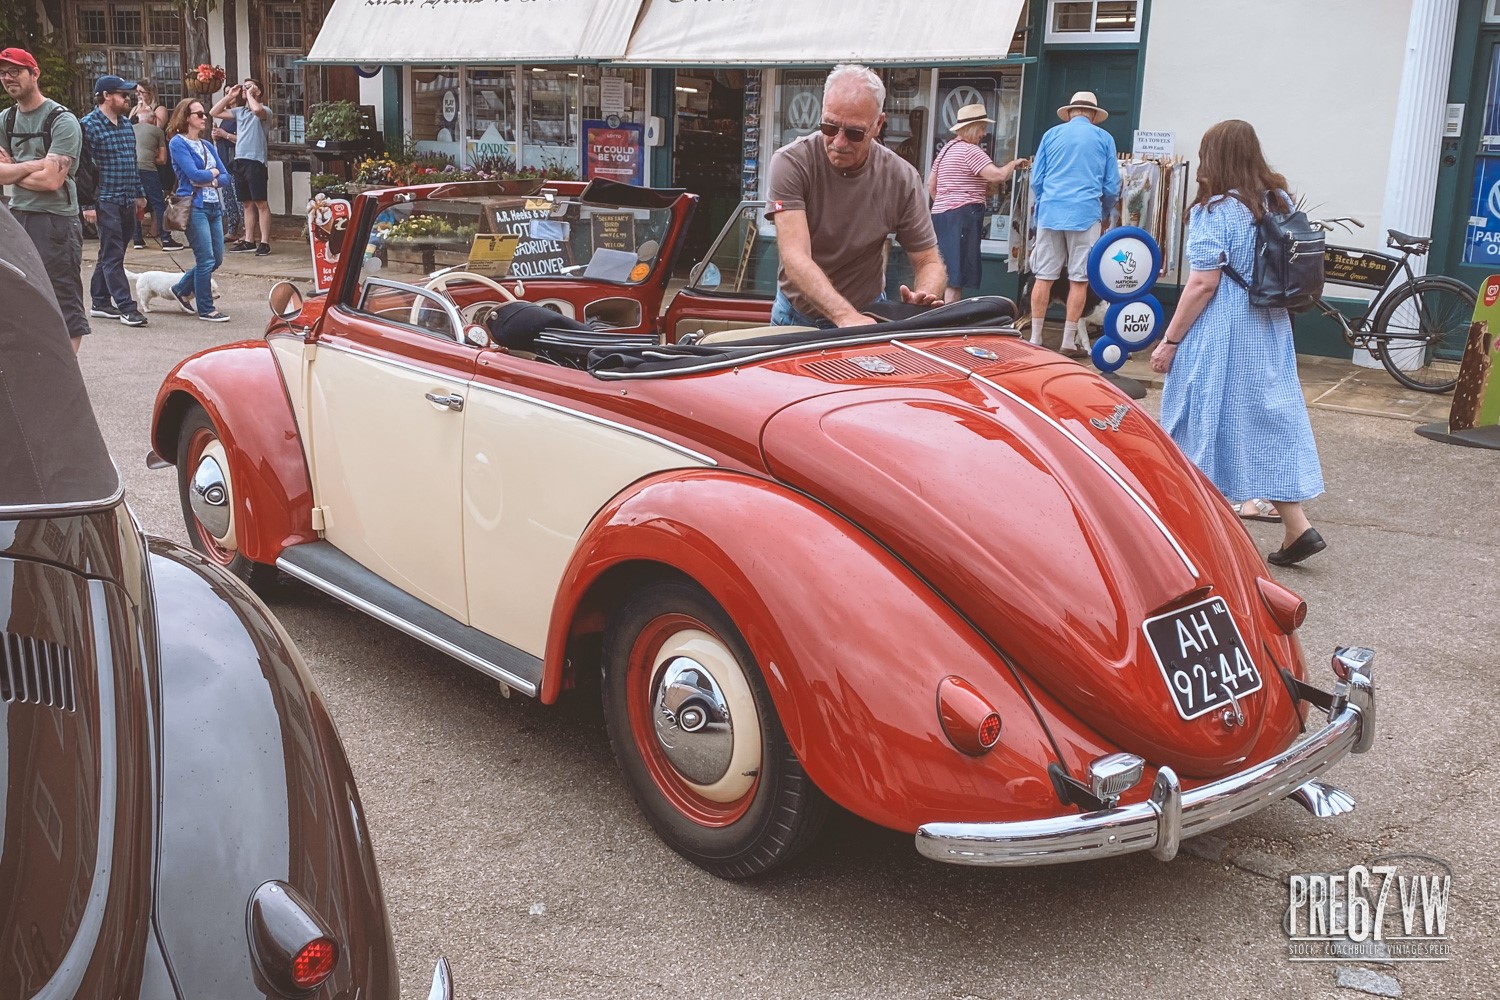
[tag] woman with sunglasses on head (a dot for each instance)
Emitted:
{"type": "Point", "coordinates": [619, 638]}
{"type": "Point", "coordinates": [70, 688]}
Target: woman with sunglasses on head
{"type": "Point", "coordinates": [200, 175]}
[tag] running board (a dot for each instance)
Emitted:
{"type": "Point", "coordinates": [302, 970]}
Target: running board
{"type": "Point", "coordinates": [324, 566]}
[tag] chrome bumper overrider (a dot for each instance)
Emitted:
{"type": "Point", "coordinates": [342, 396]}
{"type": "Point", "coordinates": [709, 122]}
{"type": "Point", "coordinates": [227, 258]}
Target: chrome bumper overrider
{"type": "Point", "coordinates": [1170, 815]}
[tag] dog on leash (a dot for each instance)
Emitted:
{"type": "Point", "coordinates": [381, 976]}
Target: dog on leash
{"type": "Point", "coordinates": [150, 285]}
{"type": "Point", "coordinates": [1094, 309]}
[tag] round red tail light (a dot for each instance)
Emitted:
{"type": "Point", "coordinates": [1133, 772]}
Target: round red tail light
{"type": "Point", "coordinates": [971, 724]}
{"type": "Point", "coordinates": [314, 962]}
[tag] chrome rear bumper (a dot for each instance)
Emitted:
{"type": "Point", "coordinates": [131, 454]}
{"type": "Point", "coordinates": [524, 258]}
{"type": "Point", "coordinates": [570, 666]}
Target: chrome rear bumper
{"type": "Point", "coordinates": [1170, 815]}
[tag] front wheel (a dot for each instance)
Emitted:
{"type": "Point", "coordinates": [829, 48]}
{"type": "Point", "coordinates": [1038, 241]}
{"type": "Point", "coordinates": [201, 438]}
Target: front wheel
{"type": "Point", "coordinates": [697, 738]}
{"type": "Point", "coordinates": [206, 490]}
{"type": "Point", "coordinates": [1422, 329]}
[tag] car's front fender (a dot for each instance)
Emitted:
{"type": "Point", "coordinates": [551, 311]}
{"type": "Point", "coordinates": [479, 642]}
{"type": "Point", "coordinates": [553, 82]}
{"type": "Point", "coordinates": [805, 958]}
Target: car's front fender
{"type": "Point", "coordinates": [255, 786]}
{"type": "Point", "coordinates": [240, 387]}
{"type": "Point", "coordinates": [852, 645]}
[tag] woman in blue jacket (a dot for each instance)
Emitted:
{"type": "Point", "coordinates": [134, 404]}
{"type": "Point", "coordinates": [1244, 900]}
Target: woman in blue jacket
{"type": "Point", "coordinates": [200, 174]}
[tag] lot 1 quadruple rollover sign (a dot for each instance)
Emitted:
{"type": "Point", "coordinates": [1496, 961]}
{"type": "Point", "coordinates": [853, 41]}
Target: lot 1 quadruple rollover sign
{"type": "Point", "coordinates": [1122, 270]}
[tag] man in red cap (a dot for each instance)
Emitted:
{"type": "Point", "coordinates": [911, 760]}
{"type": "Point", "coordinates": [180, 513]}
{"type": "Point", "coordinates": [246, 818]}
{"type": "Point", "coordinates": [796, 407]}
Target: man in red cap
{"type": "Point", "coordinates": [40, 141]}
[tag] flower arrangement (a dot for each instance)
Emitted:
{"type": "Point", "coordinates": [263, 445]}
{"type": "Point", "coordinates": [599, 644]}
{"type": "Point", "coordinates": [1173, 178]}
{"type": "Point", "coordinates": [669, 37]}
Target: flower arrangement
{"type": "Point", "coordinates": [329, 184]}
{"type": "Point", "coordinates": [204, 78]}
{"type": "Point", "coordinates": [409, 167]}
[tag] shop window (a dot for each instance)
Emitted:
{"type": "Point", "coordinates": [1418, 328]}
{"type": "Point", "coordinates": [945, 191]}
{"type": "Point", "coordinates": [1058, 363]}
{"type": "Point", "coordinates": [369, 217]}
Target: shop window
{"type": "Point", "coordinates": [490, 94]}
{"type": "Point", "coordinates": [907, 113]}
{"type": "Point", "coordinates": [1093, 21]}
{"type": "Point", "coordinates": [549, 135]}
{"type": "Point", "coordinates": [436, 124]}
{"type": "Point", "coordinates": [632, 89]}
{"type": "Point", "coordinates": [799, 104]}
{"type": "Point", "coordinates": [283, 80]}
{"type": "Point", "coordinates": [139, 41]}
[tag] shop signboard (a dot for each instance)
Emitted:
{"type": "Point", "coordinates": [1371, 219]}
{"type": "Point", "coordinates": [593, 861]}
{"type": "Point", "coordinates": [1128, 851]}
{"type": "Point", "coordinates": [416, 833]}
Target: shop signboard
{"type": "Point", "coordinates": [327, 225]}
{"type": "Point", "coordinates": [1482, 240]}
{"type": "Point", "coordinates": [1152, 143]}
{"type": "Point", "coordinates": [541, 247]}
{"type": "Point", "coordinates": [613, 230]}
{"type": "Point", "coordinates": [614, 150]}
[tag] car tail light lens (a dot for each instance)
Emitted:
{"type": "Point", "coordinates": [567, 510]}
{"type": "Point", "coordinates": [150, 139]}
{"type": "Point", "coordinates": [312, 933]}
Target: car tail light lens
{"type": "Point", "coordinates": [314, 962]}
{"type": "Point", "coordinates": [971, 723]}
{"type": "Point", "coordinates": [292, 947]}
{"type": "Point", "coordinates": [1287, 609]}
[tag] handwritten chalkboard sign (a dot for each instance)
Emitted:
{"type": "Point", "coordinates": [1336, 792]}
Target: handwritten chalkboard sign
{"type": "Point", "coordinates": [535, 256]}
{"type": "Point", "coordinates": [1360, 268]}
{"type": "Point", "coordinates": [613, 230]}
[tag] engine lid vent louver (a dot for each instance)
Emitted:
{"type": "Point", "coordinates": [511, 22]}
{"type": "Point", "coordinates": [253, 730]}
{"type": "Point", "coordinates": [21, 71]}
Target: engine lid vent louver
{"type": "Point", "coordinates": [36, 672]}
{"type": "Point", "coordinates": [993, 355]}
{"type": "Point", "coordinates": [875, 365]}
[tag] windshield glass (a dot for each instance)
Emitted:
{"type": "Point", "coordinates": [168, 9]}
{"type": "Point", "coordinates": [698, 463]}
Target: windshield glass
{"type": "Point", "coordinates": [544, 235]}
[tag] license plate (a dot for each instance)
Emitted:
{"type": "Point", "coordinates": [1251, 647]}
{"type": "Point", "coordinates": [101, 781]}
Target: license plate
{"type": "Point", "coordinates": [1202, 657]}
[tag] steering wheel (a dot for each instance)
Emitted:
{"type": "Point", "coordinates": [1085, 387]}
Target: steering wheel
{"type": "Point", "coordinates": [440, 284]}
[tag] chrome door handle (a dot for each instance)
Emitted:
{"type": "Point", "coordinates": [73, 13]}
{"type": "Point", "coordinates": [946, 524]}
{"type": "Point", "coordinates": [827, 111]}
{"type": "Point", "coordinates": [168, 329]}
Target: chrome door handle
{"type": "Point", "coordinates": [453, 402]}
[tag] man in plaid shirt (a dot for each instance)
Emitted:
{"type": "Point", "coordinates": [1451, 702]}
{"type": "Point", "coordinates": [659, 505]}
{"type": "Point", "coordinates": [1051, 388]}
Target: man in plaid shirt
{"type": "Point", "coordinates": [111, 140]}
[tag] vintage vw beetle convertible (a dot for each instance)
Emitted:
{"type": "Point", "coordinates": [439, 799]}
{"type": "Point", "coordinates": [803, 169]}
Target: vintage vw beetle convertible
{"type": "Point", "coordinates": [178, 817]}
{"type": "Point", "coordinates": [956, 584]}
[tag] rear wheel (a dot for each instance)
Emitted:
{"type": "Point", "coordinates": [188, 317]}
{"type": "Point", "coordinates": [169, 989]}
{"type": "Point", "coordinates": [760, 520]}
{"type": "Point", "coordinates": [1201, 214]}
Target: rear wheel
{"type": "Point", "coordinates": [206, 490]}
{"type": "Point", "coordinates": [1422, 329]}
{"type": "Point", "coordinates": [697, 738]}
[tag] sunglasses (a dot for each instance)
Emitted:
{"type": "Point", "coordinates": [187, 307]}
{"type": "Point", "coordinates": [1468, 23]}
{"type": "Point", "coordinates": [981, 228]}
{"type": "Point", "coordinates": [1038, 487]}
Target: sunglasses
{"type": "Point", "coordinates": [197, 114]}
{"type": "Point", "coordinates": [854, 135]}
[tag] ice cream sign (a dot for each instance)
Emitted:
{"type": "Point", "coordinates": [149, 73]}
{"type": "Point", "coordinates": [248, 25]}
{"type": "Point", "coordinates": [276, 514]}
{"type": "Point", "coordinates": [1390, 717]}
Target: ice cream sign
{"type": "Point", "coordinates": [1122, 269]}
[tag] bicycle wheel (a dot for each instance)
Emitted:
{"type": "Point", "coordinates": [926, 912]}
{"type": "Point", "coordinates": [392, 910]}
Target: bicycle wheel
{"type": "Point", "coordinates": [1422, 330]}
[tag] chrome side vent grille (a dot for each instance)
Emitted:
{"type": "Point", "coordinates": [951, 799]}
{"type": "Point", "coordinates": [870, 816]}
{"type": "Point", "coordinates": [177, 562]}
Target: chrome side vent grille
{"type": "Point", "coordinates": [864, 367]}
{"type": "Point", "coordinates": [36, 672]}
{"type": "Point", "coordinates": [992, 355]}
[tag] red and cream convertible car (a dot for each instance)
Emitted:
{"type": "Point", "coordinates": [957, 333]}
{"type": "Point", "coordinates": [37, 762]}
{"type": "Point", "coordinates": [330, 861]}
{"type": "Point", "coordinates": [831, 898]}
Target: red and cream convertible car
{"type": "Point", "coordinates": [953, 583]}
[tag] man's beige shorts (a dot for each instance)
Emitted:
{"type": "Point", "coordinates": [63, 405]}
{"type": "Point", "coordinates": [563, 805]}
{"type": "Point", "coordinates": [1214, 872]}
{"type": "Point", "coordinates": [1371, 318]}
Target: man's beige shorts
{"type": "Point", "coordinates": [1055, 248]}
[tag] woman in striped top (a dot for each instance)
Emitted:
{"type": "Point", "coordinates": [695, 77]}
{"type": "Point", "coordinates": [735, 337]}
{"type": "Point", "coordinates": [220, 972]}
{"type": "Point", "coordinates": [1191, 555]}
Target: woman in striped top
{"type": "Point", "coordinates": [959, 184]}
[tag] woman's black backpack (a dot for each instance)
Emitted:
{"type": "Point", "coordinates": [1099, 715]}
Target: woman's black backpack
{"type": "Point", "coordinates": [1288, 271]}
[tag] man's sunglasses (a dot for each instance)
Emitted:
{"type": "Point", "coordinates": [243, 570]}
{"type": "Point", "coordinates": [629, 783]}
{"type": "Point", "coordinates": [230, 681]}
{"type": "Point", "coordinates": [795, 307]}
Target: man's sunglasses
{"type": "Point", "coordinates": [854, 135]}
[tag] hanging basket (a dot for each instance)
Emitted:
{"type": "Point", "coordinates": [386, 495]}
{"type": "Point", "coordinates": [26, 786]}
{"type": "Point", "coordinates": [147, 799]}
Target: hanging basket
{"type": "Point", "coordinates": [196, 86]}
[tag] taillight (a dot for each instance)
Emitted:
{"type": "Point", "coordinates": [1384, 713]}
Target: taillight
{"type": "Point", "coordinates": [292, 947]}
{"type": "Point", "coordinates": [313, 963]}
{"type": "Point", "coordinates": [1287, 609]}
{"type": "Point", "coordinates": [971, 723]}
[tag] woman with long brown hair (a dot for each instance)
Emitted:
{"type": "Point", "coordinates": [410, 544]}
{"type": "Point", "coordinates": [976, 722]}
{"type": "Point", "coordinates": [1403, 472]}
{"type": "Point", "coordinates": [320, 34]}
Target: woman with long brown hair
{"type": "Point", "coordinates": [200, 175]}
{"type": "Point", "coordinates": [1232, 400]}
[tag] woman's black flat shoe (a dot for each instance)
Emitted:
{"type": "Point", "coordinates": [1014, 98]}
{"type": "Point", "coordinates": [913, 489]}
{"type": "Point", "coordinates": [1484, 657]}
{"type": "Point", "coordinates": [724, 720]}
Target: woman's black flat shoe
{"type": "Point", "coordinates": [1307, 544]}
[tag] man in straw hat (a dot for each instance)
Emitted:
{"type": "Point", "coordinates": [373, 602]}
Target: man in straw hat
{"type": "Point", "coordinates": [835, 195]}
{"type": "Point", "coordinates": [1075, 180]}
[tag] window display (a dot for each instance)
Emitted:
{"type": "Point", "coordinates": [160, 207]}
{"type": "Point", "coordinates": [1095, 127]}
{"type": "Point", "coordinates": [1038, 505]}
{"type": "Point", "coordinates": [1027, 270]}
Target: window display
{"type": "Point", "coordinates": [1000, 93]}
{"type": "Point", "coordinates": [907, 113]}
{"type": "Point", "coordinates": [491, 114]}
{"type": "Point", "coordinates": [436, 121]}
{"type": "Point", "coordinates": [550, 117]}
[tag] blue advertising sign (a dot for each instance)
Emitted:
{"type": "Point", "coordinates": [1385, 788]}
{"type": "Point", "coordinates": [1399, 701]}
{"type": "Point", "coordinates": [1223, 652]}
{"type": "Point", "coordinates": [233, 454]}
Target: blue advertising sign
{"type": "Point", "coordinates": [1124, 264]}
{"type": "Point", "coordinates": [1482, 241]}
{"type": "Point", "coordinates": [615, 152]}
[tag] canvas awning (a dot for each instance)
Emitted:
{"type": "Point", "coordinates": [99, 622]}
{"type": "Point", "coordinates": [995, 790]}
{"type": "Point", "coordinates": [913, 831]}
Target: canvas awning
{"type": "Point", "coordinates": [806, 33]}
{"type": "Point", "coordinates": [445, 32]}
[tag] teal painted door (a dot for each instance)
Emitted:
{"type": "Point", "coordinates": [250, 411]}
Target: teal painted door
{"type": "Point", "coordinates": [1110, 75]}
{"type": "Point", "coordinates": [1466, 219]}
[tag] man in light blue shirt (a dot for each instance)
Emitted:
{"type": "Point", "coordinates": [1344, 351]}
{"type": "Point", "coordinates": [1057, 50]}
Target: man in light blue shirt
{"type": "Point", "coordinates": [1075, 180]}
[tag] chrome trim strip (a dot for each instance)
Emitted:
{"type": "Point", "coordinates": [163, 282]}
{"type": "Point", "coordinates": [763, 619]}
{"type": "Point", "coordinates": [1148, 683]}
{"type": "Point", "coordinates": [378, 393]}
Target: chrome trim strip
{"type": "Point", "coordinates": [56, 509]}
{"type": "Point", "coordinates": [1170, 815]}
{"type": "Point", "coordinates": [1077, 441]}
{"type": "Point", "coordinates": [334, 590]}
{"type": "Point", "coordinates": [601, 421]}
{"type": "Point", "coordinates": [818, 345]}
{"type": "Point", "coordinates": [545, 404]}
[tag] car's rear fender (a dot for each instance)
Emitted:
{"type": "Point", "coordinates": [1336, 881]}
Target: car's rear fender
{"type": "Point", "coordinates": [240, 387]}
{"type": "Point", "coordinates": [852, 645]}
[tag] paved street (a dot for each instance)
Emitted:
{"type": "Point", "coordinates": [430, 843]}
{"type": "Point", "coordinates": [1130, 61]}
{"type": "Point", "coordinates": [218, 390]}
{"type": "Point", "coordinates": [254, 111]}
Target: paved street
{"type": "Point", "coordinates": [508, 842]}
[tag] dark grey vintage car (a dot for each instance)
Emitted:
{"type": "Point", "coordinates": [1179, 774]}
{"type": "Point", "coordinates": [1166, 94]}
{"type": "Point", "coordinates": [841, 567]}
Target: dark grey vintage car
{"type": "Point", "coordinates": [178, 818]}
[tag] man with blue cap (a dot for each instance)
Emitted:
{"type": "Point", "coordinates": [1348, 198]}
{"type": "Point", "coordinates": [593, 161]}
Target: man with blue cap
{"type": "Point", "coordinates": [111, 140]}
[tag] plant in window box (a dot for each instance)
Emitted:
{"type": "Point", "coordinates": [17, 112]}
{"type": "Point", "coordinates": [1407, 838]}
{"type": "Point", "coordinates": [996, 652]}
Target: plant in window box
{"type": "Point", "coordinates": [332, 185]}
{"type": "Point", "coordinates": [333, 129]}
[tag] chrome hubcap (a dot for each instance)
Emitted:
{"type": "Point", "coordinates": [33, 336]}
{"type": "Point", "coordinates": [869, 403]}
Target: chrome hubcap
{"type": "Point", "coordinates": [208, 495]}
{"type": "Point", "coordinates": [692, 720]}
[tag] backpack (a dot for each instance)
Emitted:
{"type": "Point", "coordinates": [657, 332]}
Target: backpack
{"type": "Point", "coordinates": [86, 177]}
{"type": "Point", "coordinates": [1288, 272]}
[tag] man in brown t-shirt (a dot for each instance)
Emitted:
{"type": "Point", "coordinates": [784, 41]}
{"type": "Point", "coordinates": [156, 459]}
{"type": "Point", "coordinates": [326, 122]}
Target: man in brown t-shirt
{"type": "Point", "coordinates": [834, 196]}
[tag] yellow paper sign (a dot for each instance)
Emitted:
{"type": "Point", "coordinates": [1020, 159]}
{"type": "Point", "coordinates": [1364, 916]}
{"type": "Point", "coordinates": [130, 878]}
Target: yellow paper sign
{"type": "Point", "coordinates": [538, 204]}
{"type": "Point", "coordinates": [491, 253]}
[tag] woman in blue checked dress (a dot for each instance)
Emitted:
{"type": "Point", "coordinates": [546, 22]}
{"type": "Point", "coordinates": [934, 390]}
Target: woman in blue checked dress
{"type": "Point", "coordinates": [1232, 400]}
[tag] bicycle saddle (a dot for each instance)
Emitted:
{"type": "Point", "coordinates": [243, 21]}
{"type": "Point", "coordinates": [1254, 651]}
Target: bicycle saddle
{"type": "Point", "coordinates": [1416, 244]}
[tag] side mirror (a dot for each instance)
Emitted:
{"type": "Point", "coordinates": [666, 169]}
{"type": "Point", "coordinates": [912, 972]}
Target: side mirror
{"type": "Point", "coordinates": [477, 335]}
{"type": "Point", "coordinates": [709, 277]}
{"type": "Point", "coordinates": [286, 299]}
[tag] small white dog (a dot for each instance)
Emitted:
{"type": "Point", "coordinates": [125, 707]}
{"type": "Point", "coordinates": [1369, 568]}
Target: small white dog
{"type": "Point", "coordinates": [150, 285]}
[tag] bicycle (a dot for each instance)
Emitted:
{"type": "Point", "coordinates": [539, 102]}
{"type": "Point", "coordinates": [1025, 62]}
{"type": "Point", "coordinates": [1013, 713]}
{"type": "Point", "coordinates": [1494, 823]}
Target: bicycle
{"type": "Point", "coordinates": [1416, 328]}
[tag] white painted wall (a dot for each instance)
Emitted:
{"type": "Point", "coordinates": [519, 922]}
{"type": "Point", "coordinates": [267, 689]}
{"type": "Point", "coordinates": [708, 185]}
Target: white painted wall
{"type": "Point", "coordinates": [1319, 82]}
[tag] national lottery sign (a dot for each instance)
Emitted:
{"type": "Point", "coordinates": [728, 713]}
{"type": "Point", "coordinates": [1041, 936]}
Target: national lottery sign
{"type": "Point", "coordinates": [1124, 264]}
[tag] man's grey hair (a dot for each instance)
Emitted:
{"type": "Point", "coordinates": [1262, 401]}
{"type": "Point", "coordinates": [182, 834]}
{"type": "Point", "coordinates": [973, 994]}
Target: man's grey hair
{"type": "Point", "coordinates": [856, 77]}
